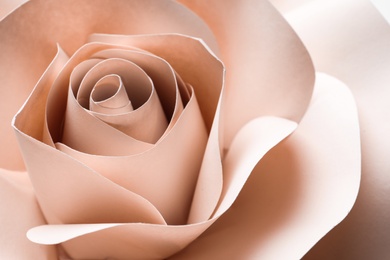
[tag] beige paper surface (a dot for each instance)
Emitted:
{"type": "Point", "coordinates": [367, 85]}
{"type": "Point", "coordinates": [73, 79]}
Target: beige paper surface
{"type": "Point", "coordinates": [266, 43]}
{"type": "Point", "coordinates": [19, 211]}
{"type": "Point", "coordinates": [354, 46]}
{"type": "Point", "coordinates": [308, 176]}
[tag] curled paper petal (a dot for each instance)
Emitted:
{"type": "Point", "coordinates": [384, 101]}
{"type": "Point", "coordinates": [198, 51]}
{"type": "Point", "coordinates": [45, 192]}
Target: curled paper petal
{"type": "Point", "coordinates": [109, 96]}
{"type": "Point", "coordinates": [252, 142]}
{"type": "Point", "coordinates": [7, 6]}
{"type": "Point", "coordinates": [132, 241]}
{"type": "Point", "coordinates": [313, 174]}
{"type": "Point", "coordinates": [354, 46]}
{"type": "Point", "coordinates": [136, 240]}
{"type": "Point", "coordinates": [267, 67]}
{"type": "Point", "coordinates": [19, 212]}
{"type": "Point", "coordinates": [87, 200]}
{"type": "Point", "coordinates": [44, 234]}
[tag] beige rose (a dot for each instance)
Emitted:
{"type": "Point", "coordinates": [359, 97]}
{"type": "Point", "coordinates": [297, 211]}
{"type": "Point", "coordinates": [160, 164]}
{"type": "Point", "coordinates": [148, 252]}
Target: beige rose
{"type": "Point", "coordinates": [140, 126]}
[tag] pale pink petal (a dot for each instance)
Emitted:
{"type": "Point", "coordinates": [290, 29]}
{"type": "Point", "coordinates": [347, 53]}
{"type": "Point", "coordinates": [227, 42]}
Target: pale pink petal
{"type": "Point", "coordinates": [383, 6]}
{"type": "Point", "coordinates": [109, 96]}
{"type": "Point", "coordinates": [284, 6]}
{"type": "Point", "coordinates": [19, 211]}
{"type": "Point", "coordinates": [268, 70]}
{"type": "Point", "coordinates": [298, 192]}
{"type": "Point", "coordinates": [7, 6]}
{"type": "Point", "coordinates": [135, 240]}
{"type": "Point", "coordinates": [252, 142]}
{"type": "Point", "coordinates": [355, 47]}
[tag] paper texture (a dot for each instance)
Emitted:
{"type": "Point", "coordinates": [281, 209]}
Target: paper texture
{"type": "Point", "coordinates": [354, 47]}
{"type": "Point", "coordinates": [290, 186]}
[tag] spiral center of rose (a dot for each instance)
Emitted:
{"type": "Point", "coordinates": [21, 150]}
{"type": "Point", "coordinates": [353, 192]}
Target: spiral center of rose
{"type": "Point", "coordinates": [116, 90]}
{"type": "Point", "coordinates": [109, 95]}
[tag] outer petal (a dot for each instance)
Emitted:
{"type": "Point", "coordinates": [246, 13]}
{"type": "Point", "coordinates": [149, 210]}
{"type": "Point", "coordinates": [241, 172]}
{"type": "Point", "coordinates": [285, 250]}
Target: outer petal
{"type": "Point", "coordinates": [268, 70]}
{"type": "Point", "coordinates": [29, 36]}
{"type": "Point", "coordinates": [305, 186]}
{"type": "Point", "coordinates": [7, 6]}
{"type": "Point", "coordinates": [147, 241]}
{"type": "Point", "coordinates": [19, 211]}
{"type": "Point", "coordinates": [383, 7]}
{"type": "Point", "coordinates": [355, 47]}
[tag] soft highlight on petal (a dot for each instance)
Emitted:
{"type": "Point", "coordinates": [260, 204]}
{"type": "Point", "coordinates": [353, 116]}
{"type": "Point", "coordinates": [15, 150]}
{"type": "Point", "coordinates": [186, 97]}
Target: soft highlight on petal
{"type": "Point", "coordinates": [137, 240]}
{"type": "Point", "coordinates": [7, 6]}
{"type": "Point", "coordinates": [19, 212]}
{"type": "Point", "coordinates": [268, 70]}
{"type": "Point", "coordinates": [354, 47]}
{"type": "Point", "coordinates": [299, 191]}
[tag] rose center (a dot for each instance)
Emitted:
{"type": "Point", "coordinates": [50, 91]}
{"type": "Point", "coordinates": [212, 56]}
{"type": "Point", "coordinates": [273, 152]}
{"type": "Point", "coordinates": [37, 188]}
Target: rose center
{"type": "Point", "coordinates": [109, 96]}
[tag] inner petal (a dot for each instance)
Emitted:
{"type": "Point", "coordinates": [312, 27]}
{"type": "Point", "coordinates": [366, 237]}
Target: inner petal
{"type": "Point", "coordinates": [166, 82]}
{"type": "Point", "coordinates": [135, 81]}
{"type": "Point", "coordinates": [121, 94]}
{"type": "Point", "coordinates": [109, 96]}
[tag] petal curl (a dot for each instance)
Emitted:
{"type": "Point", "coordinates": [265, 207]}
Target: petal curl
{"type": "Point", "coordinates": [268, 70]}
{"type": "Point", "coordinates": [354, 46]}
{"type": "Point", "coordinates": [19, 212]}
{"type": "Point", "coordinates": [299, 191]}
{"type": "Point", "coordinates": [136, 240]}
{"type": "Point", "coordinates": [7, 6]}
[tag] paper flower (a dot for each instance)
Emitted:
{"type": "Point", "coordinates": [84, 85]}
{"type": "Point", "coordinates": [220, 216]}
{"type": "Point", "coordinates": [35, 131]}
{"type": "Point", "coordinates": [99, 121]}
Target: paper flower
{"type": "Point", "coordinates": [157, 129]}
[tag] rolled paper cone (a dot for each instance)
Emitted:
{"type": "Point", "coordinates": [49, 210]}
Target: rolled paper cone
{"type": "Point", "coordinates": [109, 96]}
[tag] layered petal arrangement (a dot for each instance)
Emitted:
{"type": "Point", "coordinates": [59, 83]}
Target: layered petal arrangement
{"type": "Point", "coordinates": [169, 130]}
